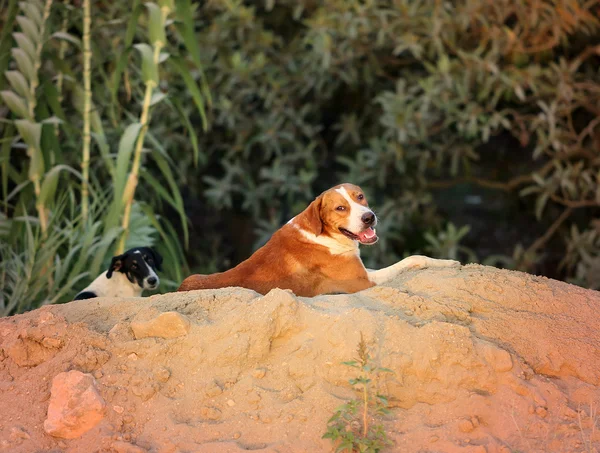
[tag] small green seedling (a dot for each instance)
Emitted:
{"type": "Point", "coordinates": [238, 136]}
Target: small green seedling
{"type": "Point", "coordinates": [353, 425]}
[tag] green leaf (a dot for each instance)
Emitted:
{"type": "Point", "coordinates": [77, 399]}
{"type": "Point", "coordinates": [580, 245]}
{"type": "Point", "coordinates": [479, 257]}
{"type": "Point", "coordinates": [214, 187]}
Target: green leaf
{"type": "Point", "coordinates": [15, 103]}
{"type": "Point", "coordinates": [192, 87]}
{"type": "Point", "coordinates": [126, 146]}
{"type": "Point", "coordinates": [177, 200]}
{"type": "Point", "coordinates": [25, 43]}
{"type": "Point", "coordinates": [169, 241]}
{"type": "Point", "coordinates": [30, 132]}
{"type": "Point", "coordinates": [444, 64]}
{"type": "Point", "coordinates": [115, 77]}
{"type": "Point", "coordinates": [32, 12]}
{"type": "Point", "coordinates": [149, 68]}
{"type": "Point", "coordinates": [51, 98]}
{"type": "Point", "coordinates": [67, 37]}
{"type": "Point", "coordinates": [191, 132]}
{"type": "Point", "coordinates": [29, 28]}
{"type": "Point", "coordinates": [136, 10]}
{"type": "Point", "coordinates": [49, 185]}
{"type": "Point", "coordinates": [5, 161]}
{"type": "Point", "coordinates": [52, 120]}
{"type": "Point", "coordinates": [18, 83]}
{"type": "Point", "coordinates": [185, 13]}
{"type": "Point", "coordinates": [540, 204]}
{"type": "Point", "coordinates": [24, 63]}
{"type": "Point", "coordinates": [156, 26]}
{"type": "Point", "coordinates": [157, 97]}
{"type": "Point", "coordinates": [163, 57]}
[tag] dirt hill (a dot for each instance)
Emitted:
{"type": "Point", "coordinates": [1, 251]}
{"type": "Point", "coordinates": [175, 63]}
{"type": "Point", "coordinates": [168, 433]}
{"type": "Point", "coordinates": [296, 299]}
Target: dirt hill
{"type": "Point", "coordinates": [483, 360]}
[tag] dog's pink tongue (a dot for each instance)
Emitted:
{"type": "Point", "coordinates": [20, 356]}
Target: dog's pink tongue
{"type": "Point", "coordinates": [369, 233]}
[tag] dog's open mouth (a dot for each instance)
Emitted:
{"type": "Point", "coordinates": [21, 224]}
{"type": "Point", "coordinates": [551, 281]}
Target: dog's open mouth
{"type": "Point", "coordinates": [368, 236]}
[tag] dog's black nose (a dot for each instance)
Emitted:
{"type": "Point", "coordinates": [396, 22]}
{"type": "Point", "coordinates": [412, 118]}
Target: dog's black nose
{"type": "Point", "coordinates": [368, 218]}
{"type": "Point", "coordinates": [152, 280]}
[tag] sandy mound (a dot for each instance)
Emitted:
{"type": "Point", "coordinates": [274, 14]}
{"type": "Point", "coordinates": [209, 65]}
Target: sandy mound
{"type": "Point", "coordinates": [483, 360]}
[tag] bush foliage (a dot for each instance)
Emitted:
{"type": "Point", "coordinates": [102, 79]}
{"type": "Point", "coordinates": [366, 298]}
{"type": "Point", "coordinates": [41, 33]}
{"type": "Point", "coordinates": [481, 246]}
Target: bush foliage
{"type": "Point", "coordinates": [474, 128]}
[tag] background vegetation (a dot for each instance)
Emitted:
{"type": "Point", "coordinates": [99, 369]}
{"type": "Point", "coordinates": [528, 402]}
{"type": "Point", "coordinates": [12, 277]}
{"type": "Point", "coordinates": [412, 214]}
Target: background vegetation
{"type": "Point", "coordinates": [474, 128]}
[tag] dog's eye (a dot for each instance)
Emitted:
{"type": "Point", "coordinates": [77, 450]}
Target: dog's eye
{"type": "Point", "coordinates": [361, 197]}
{"type": "Point", "coordinates": [340, 208]}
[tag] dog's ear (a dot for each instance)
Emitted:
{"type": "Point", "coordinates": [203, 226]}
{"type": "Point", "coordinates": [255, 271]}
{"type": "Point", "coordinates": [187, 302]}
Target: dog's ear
{"type": "Point", "coordinates": [312, 216]}
{"type": "Point", "coordinates": [157, 259]}
{"type": "Point", "coordinates": [115, 265]}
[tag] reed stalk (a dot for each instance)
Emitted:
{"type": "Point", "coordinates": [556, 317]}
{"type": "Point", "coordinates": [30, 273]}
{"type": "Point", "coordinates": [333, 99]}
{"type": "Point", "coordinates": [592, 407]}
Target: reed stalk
{"type": "Point", "coordinates": [133, 178]}
{"type": "Point", "coordinates": [87, 106]}
{"type": "Point", "coordinates": [36, 178]}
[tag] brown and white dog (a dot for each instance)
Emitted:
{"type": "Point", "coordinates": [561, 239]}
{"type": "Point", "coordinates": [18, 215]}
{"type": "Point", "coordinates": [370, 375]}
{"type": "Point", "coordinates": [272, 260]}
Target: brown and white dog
{"type": "Point", "coordinates": [316, 252]}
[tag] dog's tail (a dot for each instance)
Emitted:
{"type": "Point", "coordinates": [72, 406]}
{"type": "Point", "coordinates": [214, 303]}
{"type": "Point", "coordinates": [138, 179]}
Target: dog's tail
{"type": "Point", "coordinates": [199, 281]}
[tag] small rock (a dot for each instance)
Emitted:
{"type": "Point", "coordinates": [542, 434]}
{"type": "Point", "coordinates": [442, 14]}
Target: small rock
{"type": "Point", "coordinates": [166, 325]}
{"type": "Point", "coordinates": [18, 434]}
{"type": "Point", "coordinates": [213, 390]}
{"type": "Point", "coordinates": [539, 400]}
{"type": "Point", "coordinates": [259, 373]}
{"type": "Point", "coordinates": [162, 374]}
{"type": "Point", "coordinates": [230, 403]}
{"type": "Point", "coordinates": [125, 447]}
{"type": "Point", "coordinates": [75, 405]}
{"type": "Point", "coordinates": [98, 374]}
{"type": "Point", "coordinates": [118, 409]}
{"type": "Point", "coordinates": [120, 332]}
{"type": "Point", "coordinates": [465, 426]}
{"type": "Point", "coordinates": [237, 435]}
{"type": "Point", "coordinates": [133, 357]}
{"type": "Point", "coordinates": [499, 359]}
{"type": "Point", "coordinates": [569, 413]}
{"type": "Point", "coordinates": [253, 397]}
{"type": "Point", "coordinates": [52, 342]}
{"type": "Point", "coordinates": [211, 413]}
{"type": "Point", "coordinates": [541, 411]}
{"type": "Point", "coordinates": [433, 439]}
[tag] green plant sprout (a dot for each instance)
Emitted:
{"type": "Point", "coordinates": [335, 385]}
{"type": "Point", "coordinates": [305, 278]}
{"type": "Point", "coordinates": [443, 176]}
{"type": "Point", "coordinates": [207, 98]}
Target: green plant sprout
{"type": "Point", "coordinates": [354, 425]}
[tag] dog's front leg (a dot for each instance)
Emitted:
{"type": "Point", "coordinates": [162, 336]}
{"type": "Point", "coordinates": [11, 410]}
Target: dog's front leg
{"type": "Point", "coordinates": [411, 262]}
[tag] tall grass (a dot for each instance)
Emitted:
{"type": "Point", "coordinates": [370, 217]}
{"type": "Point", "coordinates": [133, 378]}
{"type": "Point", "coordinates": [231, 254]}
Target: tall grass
{"type": "Point", "coordinates": [60, 227]}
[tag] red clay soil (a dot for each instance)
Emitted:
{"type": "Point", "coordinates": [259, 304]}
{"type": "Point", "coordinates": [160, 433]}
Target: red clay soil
{"type": "Point", "coordinates": [483, 360]}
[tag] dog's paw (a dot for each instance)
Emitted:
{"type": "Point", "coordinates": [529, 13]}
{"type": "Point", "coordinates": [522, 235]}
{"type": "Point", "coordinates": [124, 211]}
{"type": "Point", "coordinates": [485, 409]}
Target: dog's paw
{"type": "Point", "coordinates": [424, 262]}
{"type": "Point", "coordinates": [446, 263]}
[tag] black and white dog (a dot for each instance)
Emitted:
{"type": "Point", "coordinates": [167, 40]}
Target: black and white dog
{"type": "Point", "coordinates": [128, 275]}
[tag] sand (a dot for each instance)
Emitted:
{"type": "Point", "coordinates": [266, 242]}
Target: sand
{"type": "Point", "coordinates": [483, 360]}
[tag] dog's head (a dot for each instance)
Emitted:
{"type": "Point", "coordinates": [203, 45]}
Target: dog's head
{"type": "Point", "coordinates": [343, 213]}
{"type": "Point", "coordinates": [139, 265]}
